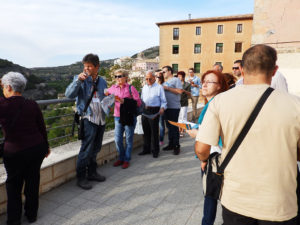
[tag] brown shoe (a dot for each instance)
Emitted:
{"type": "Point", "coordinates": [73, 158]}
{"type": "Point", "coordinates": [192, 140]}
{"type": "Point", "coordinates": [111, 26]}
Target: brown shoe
{"type": "Point", "coordinates": [118, 163]}
{"type": "Point", "coordinates": [125, 165]}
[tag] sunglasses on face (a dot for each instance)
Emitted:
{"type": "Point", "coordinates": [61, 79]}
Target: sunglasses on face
{"type": "Point", "coordinates": [119, 76]}
{"type": "Point", "coordinates": [235, 68]}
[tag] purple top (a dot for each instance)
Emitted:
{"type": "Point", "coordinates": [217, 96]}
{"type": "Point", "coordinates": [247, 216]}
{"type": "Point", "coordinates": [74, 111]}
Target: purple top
{"type": "Point", "coordinates": [29, 129]}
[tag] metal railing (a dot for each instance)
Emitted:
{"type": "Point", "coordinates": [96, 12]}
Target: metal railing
{"type": "Point", "coordinates": [58, 117]}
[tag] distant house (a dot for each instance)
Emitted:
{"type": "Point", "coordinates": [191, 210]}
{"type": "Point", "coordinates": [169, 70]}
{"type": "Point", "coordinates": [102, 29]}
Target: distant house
{"type": "Point", "coordinates": [124, 61]}
{"type": "Point", "coordinates": [202, 42]}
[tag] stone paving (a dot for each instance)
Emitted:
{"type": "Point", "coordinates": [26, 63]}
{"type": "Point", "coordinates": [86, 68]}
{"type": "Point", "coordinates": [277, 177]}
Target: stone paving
{"type": "Point", "coordinates": [166, 190]}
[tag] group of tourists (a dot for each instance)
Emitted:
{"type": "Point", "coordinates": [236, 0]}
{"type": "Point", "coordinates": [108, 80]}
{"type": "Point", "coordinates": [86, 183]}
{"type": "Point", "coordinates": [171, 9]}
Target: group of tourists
{"type": "Point", "coordinates": [260, 181]}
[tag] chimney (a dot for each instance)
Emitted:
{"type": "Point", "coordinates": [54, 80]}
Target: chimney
{"type": "Point", "coordinates": [190, 16]}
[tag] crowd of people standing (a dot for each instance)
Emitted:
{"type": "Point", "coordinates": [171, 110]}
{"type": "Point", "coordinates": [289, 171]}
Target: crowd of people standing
{"type": "Point", "coordinates": [256, 190]}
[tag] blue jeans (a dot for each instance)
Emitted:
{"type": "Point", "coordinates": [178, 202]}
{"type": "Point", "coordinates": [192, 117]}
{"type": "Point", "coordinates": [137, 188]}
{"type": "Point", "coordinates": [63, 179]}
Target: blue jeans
{"type": "Point", "coordinates": [124, 151]}
{"type": "Point", "coordinates": [209, 211]}
{"type": "Point", "coordinates": [173, 135]}
{"type": "Point", "coordinates": [161, 127]}
{"type": "Point", "coordinates": [90, 146]}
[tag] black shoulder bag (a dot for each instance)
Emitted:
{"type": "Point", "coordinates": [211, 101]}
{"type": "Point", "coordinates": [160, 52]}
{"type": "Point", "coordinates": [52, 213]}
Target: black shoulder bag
{"type": "Point", "coordinates": [11, 126]}
{"type": "Point", "coordinates": [214, 172]}
{"type": "Point", "coordinates": [78, 119]}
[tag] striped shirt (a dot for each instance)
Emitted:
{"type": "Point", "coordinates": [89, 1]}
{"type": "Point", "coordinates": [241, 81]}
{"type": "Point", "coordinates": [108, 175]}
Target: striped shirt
{"type": "Point", "coordinates": [95, 106]}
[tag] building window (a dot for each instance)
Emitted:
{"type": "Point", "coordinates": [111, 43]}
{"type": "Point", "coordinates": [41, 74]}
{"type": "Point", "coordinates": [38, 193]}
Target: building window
{"type": "Point", "coordinates": [220, 29]}
{"type": "Point", "coordinates": [175, 49]}
{"type": "Point", "coordinates": [239, 28]}
{"type": "Point", "coordinates": [198, 30]}
{"type": "Point", "coordinates": [238, 47]}
{"type": "Point", "coordinates": [197, 67]}
{"type": "Point", "coordinates": [197, 48]}
{"type": "Point", "coordinates": [219, 47]}
{"type": "Point", "coordinates": [175, 33]}
{"type": "Point", "coordinates": [175, 68]}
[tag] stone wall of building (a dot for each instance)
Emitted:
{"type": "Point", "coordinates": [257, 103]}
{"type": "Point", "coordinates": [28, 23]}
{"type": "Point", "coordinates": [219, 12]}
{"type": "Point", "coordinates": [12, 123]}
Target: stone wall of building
{"type": "Point", "coordinates": [276, 23]}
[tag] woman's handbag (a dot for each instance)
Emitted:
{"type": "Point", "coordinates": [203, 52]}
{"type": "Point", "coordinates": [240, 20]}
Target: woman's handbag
{"type": "Point", "coordinates": [139, 109]}
{"type": "Point", "coordinates": [214, 173]}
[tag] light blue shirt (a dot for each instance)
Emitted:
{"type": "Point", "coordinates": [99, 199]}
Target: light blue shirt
{"type": "Point", "coordinates": [173, 100]}
{"type": "Point", "coordinates": [195, 90]}
{"type": "Point", "coordinates": [154, 96]}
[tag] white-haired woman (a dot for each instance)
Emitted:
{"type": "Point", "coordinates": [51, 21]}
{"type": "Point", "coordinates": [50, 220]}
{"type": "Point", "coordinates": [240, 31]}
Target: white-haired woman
{"type": "Point", "coordinates": [25, 147]}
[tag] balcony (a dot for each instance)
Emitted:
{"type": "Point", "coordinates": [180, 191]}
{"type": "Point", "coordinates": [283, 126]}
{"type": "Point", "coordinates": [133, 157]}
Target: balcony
{"type": "Point", "coordinates": [168, 180]}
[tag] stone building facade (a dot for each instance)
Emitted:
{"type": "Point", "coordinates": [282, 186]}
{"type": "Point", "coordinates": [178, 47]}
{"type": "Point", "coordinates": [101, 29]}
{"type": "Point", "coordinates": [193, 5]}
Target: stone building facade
{"type": "Point", "coordinates": [200, 43]}
{"type": "Point", "coordinates": [277, 24]}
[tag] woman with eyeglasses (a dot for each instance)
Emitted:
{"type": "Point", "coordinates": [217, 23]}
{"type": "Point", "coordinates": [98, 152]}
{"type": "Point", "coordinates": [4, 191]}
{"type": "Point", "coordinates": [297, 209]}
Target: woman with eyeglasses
{"type": "Point", "coordinates": [160, 80]}
{"type": "Point", "coordinates": [25, 147]}
{"type": "Point", "coordinates": [213, 83]}
{"type": "Point", "coordinates": [126, 101]}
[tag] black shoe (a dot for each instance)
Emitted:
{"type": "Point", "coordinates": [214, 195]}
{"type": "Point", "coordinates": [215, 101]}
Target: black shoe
{"type": "Point", "coordinates": [144, 153]}
{"type": "Point", "coordinates": [84, 184]}
{"type": "Point", "coordinates": [96, 177]}
{"type": "Point", "coordinates": [31, 219]}
{"type": "Point", "coordinates": [155, 155]}
{"type": "Point", "coordinates": [168, 148]}
{"type": "Point", "coordinates": [176, 150]}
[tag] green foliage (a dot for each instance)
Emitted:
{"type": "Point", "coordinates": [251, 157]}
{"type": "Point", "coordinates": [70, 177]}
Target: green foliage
{"type": "Point", "coordinates": [32, 80]}
{"type": "Point", "coordinates": [5, 63]}
{"type": "Point", "coordinates": [137, 83]}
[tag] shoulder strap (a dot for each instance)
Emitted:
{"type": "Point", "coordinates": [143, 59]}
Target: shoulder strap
{"type": "Point", "coordinates": [245, 129]}
{"type": "Point", "coordinates": [90, 98]}
{"type": "Point", "coordinates": [130, 90]}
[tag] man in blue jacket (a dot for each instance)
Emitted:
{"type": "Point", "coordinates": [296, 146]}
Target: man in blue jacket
{"type": "Point", "coordinates": [93, 119]}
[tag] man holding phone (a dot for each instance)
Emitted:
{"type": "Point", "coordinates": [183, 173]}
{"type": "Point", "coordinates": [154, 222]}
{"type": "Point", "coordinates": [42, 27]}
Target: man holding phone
{"type": "Point", "coordinates": [85, 85]}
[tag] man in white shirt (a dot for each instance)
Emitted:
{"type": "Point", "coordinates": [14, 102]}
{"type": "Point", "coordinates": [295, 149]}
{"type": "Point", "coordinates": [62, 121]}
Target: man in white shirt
{"type": "Point", "coordinates": [153, 95]}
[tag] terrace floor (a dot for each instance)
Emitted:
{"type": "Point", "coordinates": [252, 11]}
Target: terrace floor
{"type": "Point", "coordinates": [166, 190]}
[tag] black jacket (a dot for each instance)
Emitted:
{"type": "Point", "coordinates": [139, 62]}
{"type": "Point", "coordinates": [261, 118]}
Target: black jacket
{"type": "Point", "coordinates": [128, 111]}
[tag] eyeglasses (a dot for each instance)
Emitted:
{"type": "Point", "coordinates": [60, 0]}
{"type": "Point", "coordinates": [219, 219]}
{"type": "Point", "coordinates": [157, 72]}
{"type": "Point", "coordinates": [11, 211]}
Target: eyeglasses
{"type": "Point", "coordinates": [119, 76]}
{"type": "Point", "coordinates": [235, 68]}
{"type": "Point", "coordinates": [148, 79]}
{"type": "Point", "coordinates": [209, 82]}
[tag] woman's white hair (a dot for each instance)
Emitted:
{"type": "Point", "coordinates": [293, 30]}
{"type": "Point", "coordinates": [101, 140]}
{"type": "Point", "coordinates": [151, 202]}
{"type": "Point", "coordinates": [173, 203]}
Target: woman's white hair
{"type": "Point", "coordinates": [16, 80]}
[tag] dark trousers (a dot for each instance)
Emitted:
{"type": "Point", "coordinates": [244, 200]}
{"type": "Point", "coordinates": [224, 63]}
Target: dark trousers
{"type": "Point", "coordinates": [20, 169]}
{"type": "Point", "coordinates": [231, 218]}
{"type": "Point", "coordinates": [90, 146]}
{"type": "Point", "coordinates": [151, 131]}
{"type": "Point", "coordinates": [173, 131]}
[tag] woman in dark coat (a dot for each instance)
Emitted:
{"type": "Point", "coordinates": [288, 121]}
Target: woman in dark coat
{"type": "Point", "coordinates": [25, 147]}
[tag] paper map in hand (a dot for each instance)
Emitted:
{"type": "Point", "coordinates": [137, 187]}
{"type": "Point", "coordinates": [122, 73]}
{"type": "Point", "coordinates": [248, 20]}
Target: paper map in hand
{"type": "Point", "coordinates": [186, 126]}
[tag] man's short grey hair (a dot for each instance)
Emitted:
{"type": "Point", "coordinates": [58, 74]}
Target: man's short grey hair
{"type": "Point", "coordinates": [151, 72]}
{"type": "Point", "coordinates": [220, 66]}
{"type": "Point", "coordinates": [16, 80]}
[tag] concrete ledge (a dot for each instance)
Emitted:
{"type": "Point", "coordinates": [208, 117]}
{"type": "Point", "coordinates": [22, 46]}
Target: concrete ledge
{"type": "Point", "coordinates": [60, 166]}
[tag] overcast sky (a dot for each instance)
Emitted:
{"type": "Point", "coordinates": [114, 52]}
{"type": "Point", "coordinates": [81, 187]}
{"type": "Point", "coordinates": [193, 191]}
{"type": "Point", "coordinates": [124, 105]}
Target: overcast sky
{"type": "Point", "coordinates": [36, 33]}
